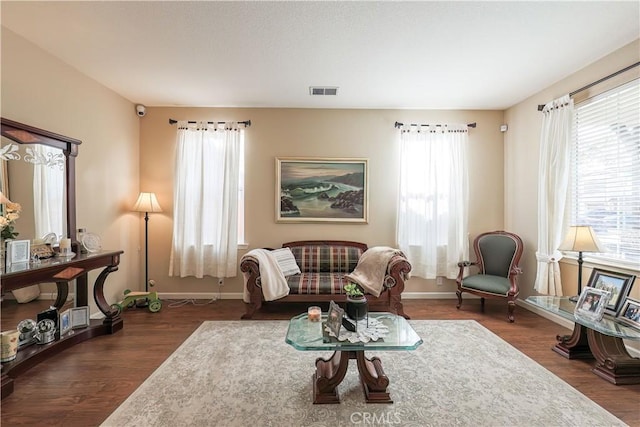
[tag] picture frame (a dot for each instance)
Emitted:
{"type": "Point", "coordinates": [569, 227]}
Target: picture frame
{"type": "Point", "coordinates": [18, 251]}
{"type": "Point", "coordinates": [630, 313]}
{"type": "Point", "coordinates": [79, 317]}
{"type": "Point", "coordinates": [592, 303]}
{"type": "Point", "coordinates": [322, 190]}
{"type": "Point", "coordinates": [619, 284]}
{"type": "Point", "coordinates": [334, 318]}
{"type": "Point", "coordinates": [65, 322]}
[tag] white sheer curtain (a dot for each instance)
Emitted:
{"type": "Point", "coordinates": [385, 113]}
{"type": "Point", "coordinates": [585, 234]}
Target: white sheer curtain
{"type": "Point", "coordinates": [553, 188]}
{"type": "Point", "coordinates": [433, 199]}
{"type": "Point", "coordinates": [48, 192]}
{"type": "Point", "coordinates": [205, 200]}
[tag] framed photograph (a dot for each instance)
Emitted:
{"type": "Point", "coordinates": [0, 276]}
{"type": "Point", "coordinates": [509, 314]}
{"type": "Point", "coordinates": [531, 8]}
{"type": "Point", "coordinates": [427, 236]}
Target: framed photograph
{"type": "Point", "coordinates": [79, 317]}
{"type": "Point", "coordinates": [334, 318]}
{"type": "Point", "coordinates": [630, 313]}
{"type": "Point", "coordinates": [322, 190]}
{"type": "Point", "coordinates": [592, 303]}
{"type": "Point", "coordinates": [65, 322]}
{"type": "Point", "coordinates": [18, 251]}
{"type": "Point", "coordinates": [619, 284]}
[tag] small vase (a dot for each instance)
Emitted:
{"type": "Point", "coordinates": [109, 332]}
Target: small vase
{"type": "Point", "coordinates": [357, 308]}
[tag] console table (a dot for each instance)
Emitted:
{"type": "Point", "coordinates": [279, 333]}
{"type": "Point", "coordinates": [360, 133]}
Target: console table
{"type": "Point", "coordinates": [602, 340]}
{"type": "Point", "coordinates": [61, 271]}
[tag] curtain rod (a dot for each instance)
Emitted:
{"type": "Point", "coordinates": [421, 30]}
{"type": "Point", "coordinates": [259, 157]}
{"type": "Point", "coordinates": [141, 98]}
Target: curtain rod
{"type": "Point", "coordinates": [590, 85]}
{"type": "Point", "coordinates": [247, 123]}
{"type": "Point", "coordinates": [398, 125]}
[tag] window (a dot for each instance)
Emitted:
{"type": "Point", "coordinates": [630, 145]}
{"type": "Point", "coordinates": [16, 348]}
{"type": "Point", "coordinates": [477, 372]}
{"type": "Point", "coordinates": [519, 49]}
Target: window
{"type": "Point", "coordinates": [432, 201]}
{"type": "Point", "coordinates": [605, 177]}
{"type": "Point", "coordinates": [208, 199]}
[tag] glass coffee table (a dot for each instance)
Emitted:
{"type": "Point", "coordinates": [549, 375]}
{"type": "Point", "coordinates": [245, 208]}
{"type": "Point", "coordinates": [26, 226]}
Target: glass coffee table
{"type": "Point", "coordinates": [306, 335]}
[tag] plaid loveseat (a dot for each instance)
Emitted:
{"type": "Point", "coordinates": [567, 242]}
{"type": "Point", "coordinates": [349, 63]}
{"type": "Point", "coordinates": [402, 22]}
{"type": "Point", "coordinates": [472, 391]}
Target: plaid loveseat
{"type": "Point", "coordinates": [323, 265]}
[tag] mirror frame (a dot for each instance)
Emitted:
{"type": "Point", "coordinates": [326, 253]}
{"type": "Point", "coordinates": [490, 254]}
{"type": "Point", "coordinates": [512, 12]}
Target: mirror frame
{"type": "Point", "coordinates": [25, 134]}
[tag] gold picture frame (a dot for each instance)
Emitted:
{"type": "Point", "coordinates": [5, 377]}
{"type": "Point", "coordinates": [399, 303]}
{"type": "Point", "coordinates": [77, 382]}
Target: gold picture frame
{"type": "Point", "coordinates": [322, 190]}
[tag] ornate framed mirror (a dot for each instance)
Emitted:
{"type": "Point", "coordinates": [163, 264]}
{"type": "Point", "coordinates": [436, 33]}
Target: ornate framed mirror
{"type": "Point", "coordinates": [43, 149]}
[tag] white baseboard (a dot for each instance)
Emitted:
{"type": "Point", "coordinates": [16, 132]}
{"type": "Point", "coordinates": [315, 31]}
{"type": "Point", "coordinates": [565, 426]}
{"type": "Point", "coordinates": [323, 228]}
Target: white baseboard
{"type": "Point", "coordinates": [44, 296]}
{"type": "Point", "coordinates": [200, 295]}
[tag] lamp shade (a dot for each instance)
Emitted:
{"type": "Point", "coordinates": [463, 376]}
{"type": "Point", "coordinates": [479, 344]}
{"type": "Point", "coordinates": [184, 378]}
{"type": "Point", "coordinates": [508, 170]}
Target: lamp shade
{"type": "Point", "coordinates": [581, 238]}
{"type": "Point", "coordinates": [147, 202]}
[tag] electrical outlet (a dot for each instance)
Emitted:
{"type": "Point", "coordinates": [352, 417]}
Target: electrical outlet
{"type": "Point", "coordinates": [439, 281]}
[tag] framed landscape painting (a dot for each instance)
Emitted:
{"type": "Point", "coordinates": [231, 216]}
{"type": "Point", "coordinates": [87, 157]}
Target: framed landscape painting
{"type": "Point", "coordinates": [321, 190]}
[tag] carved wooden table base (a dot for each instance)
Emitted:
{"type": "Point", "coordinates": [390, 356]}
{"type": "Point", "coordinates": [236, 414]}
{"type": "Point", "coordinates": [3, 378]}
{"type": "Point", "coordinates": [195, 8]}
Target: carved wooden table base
{"type": "Point", "coordinates": [574, 346]}
{"type": "Point", "coordinates": [330, 372]}
{"type": "Point", "coordinates": [613, 362]}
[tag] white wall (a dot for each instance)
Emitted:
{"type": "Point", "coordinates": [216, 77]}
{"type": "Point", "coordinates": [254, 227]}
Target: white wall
{"type": "Point", "coordinates": [279, 132]}
{"type": "Point", "coordinates": [40, 90]}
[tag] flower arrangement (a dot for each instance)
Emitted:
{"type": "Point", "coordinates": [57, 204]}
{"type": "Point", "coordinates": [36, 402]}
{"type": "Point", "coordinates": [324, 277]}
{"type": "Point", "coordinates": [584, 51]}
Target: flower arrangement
{"type": "Point", "coordinates": [9, 216]}
{"type": "Point", "coordinates": [353, 290]}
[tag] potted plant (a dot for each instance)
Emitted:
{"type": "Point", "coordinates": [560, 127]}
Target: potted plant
{"type": "Point", "coordinates": [356, 307]}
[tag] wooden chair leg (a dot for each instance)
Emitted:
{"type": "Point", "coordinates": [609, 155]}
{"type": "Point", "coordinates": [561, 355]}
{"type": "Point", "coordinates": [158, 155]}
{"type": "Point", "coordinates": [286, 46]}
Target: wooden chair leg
{"type": "Point", "coordinates": [511, 307]}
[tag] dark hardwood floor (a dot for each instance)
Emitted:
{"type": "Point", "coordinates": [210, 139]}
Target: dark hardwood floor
{"type": "Point", "coordinates": [82, 385]}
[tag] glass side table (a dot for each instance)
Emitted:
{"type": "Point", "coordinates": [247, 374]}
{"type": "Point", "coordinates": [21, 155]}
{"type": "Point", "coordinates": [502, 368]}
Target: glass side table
{"type": "Point", "coordinates": [602, 340]}
{"type": "Point", "coordinates": [306, 335]}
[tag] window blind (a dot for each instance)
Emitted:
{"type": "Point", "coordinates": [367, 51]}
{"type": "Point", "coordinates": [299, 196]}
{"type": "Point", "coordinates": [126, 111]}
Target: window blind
{"type": "Point", "coordinates": [605, 176]}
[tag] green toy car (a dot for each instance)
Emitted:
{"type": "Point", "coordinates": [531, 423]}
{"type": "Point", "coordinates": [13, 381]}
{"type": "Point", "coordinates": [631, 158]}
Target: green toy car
{"type": "Point", "coordinates": [149, 299]}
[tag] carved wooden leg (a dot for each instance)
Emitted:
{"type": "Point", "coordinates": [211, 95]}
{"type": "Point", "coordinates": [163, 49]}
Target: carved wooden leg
{"type": "Point", "coordinates": [574, 346]}
{"type": "Point", "coordinates": [329, 373]}
{"type": "Point", "coordinates": [397, 307]}
{"type": "Point", "coordinates": [63, 293]}
{"type": "Point", "coordinates": [113, 321]}
{"type": "Point", "coordinates": [459, 295]}
{"type": "Point", "coordinates": [482, 304]}
{"type": "Point", "coordinates": [250, 309]}
{"type": "Point", "coordinates": [373, 379]}
{"type": "Point", "coordinates": [511, 307]}
{"type": "Point", "coordinates": [613, 362]}
{"type": "Point", "coordinates": [254, 304]}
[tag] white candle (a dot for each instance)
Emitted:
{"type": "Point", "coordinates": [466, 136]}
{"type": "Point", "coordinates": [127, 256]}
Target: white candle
{"type": "Point", "coordinates": [314, 313]}
{"type": "Point", "coordinates": [65, 243]}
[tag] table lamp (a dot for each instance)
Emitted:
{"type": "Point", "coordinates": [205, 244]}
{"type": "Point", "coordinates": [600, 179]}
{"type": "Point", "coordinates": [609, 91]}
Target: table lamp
{"type": "Point", "coordinates": [147, 202]}
{"type": "Point", "coordinates": [580, 238]}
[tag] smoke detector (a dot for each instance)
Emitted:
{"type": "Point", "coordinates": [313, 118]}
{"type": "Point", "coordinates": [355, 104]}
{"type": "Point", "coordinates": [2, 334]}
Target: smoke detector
{"type": "Point", "coordinates": [323, 90]}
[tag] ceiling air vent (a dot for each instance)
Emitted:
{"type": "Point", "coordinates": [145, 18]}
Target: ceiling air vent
{"type": "Point", "coordinates": [323, 90]}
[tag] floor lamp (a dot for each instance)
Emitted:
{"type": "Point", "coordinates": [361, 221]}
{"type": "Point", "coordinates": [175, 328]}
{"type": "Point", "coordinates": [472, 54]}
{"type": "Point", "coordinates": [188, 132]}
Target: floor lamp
{"type": "Point", "coordinates": [147, 202]}
{"type": "Point", "coordinates": [580, 238]}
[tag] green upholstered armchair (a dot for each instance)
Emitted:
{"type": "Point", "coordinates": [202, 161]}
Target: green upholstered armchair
{"type": "Point", "coordinates": [497, 256]}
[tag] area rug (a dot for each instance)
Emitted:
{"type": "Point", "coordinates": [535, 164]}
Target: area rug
{"type": "Point", "coordinates": [242, 373]}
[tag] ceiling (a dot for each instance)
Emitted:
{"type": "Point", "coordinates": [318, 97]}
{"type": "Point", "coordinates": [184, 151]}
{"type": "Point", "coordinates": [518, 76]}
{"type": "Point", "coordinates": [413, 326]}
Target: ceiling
{"type": "Point", "coordinates": [422, 55]}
